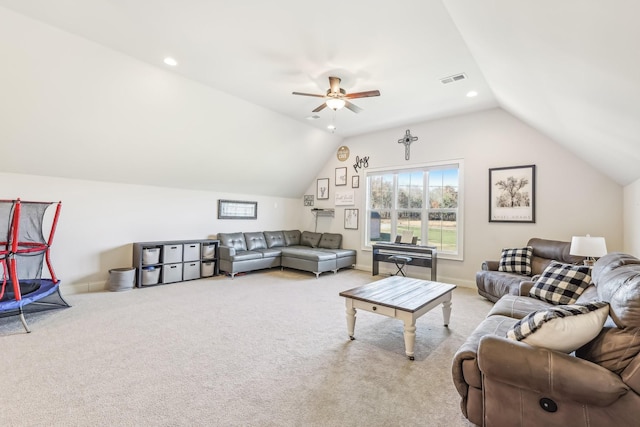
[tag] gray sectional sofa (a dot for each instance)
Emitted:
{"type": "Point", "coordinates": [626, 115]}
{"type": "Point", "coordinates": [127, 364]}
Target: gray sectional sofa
{"type": "Point", "coordinates": [307, 251]}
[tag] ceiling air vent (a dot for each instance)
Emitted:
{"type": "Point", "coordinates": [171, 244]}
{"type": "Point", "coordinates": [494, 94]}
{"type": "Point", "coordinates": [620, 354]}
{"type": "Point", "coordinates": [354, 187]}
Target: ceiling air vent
{"type": "Point", "coordinates": [454, 78]}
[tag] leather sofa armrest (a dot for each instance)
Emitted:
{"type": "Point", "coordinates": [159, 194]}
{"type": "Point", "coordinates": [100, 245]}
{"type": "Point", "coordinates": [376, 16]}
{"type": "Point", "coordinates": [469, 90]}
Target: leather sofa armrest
{"type": "Point", "coordinates": [226, 252]}
{"type": "Point", "coordinates": [547, 371]}
{"type": "Point", "coordinates": [525, 287]}
{"type": "Point", "coordinates": [490, 265]}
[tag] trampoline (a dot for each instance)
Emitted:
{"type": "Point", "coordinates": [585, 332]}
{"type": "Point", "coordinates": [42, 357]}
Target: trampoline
{"type": "Point", "coordinates": [23, 253]}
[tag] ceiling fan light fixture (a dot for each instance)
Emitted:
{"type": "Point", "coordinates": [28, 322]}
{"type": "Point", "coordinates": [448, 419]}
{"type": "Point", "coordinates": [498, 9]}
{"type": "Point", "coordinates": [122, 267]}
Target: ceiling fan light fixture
{"type": "Point", "coordinates": [335, 103]}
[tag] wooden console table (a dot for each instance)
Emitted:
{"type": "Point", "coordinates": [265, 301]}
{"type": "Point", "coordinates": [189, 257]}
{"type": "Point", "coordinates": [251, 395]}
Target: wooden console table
{"type": "Point", "coordinates": [422, 256]}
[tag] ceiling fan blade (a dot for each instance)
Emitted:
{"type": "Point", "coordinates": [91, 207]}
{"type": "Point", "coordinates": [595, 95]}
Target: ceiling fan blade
{"type": "Point", "coordinates": [363, 94]}
{"type": "Point", "coordinates": [352, 107]}
{"type": "Point", "coordinates": [320, 108]}
{"type": "Point", "coordinates": [308, 94]}
{"type": "Point", "coordinates": [334, 84]}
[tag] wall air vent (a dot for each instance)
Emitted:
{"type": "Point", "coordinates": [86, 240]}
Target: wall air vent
{"type": "Point", "coordinates": [454, 78]}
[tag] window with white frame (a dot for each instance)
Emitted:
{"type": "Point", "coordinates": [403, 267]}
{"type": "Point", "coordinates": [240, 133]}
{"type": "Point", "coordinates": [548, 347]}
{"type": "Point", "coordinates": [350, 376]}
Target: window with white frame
{"type": "Point", "coordinates": [424, 201]}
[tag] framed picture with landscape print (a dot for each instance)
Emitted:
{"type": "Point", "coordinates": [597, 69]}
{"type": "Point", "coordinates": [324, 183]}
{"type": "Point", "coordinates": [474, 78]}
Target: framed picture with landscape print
{"type": "Point", "coordinates": [512, 194]}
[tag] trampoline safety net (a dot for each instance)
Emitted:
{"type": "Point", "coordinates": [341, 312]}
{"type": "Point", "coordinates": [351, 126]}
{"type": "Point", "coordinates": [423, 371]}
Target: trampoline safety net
{"type": "Point", "coordinates": [23, 252]}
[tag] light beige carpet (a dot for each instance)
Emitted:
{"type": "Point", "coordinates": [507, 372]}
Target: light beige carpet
{"type": "Point", "coordinates": [266, 349]}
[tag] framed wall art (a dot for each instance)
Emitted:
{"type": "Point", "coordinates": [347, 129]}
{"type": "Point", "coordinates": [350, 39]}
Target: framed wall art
{"type": "Point", "coordinates": [512, 194]}
{"type": "Point", "coordinates": [351, 219]}
{"type": "Point", "coordinates": [308, 199]}
{"type": "Point", "coordinates": [341, 176]}
{"type": "Point", "coordinates": [355, 181]}
{"type": "Point", "coordinates": [322, 191]}
{"type": "Point", "coordinates": [236, 209]}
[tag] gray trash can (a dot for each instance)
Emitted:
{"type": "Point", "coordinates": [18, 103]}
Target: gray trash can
{"type": "Point", "coordinates": [121, 279]}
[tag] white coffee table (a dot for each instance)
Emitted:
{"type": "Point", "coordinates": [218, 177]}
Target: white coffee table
{"type": "Point", "coordinates": [402, 298]}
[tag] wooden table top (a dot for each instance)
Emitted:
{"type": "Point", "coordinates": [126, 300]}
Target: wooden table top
{"type": "Point", "coordinates": [402, 293]}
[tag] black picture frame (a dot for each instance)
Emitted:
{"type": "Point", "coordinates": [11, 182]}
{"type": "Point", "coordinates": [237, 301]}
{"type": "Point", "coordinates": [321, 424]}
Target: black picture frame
{"type": "Point", "coordinates": [308, 199]}
{"type": "Point", "coordinates": [237, 209]}
{"type": "Point", "coordinates": [512, 194]}
{"type": "Point", "coordinates": [341, 176]}
{"type": "Point", "coordinates": [322, 189]}
{"type": "Point", "coordinates": [351, 219]}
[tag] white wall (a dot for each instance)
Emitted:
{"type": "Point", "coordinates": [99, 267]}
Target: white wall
{"type": "Point", "coordinates": [571, 197]}
{"type": "Point", "coordinates": [632, 218]}
{"type": "Point", "coordinates": [100, 221]}
{"type": "Point", "coordinates": [75, 109]}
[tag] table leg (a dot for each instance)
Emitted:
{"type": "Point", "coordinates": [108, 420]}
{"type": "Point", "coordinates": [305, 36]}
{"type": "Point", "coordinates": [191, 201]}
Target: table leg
{"type": "Point", "coordinates": [351, 320]}
{"type": "Point", "coordinates": [409, 337]}
{"type": "Point", "coordinates": [446, 311]}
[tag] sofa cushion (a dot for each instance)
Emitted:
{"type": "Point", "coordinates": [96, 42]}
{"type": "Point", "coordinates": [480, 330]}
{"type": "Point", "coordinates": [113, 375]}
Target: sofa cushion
{"type": "Point", "coordinates": [310, 239]}
{"type": "Point", "coordinates": [562, 328]}
{"type": "Point", "coordinates": [255, 241]}
{"type": "Point", "coordinates": [613, 348]}
{"type": "Point", "coordinates": [561, 283]}
{"type": "Point", "coordinates": [516, 260]}
{"type": "Point", "coordinates": [233, 240]}
{"type": "Point", "coordinates": [275, 239]}
{"type": "Point", "coordinates": [517, 307]}
{"type": "Point", "coordinates": [291, 237]}
{"type": "Point", "coordinates": [245, 255]}
{"type": "Point", "coordinates": [330, 241]}
{"type": "Point", "coordinates": [304, 252]}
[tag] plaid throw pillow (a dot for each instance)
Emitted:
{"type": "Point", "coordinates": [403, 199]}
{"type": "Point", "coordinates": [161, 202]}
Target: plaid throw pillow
{"type": "Point", "coordinates": [562, 328]}
{"type": "Point", "coordinates": [516, 260]}
{"type": "Point", "coordinates": [561, 283]}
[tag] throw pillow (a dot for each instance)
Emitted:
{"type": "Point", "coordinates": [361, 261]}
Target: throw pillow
{"type": "Point", "coordinates": [563, 328]}
{"type": "Point", "coordinates": [516, 260]}
{"type": "Point", "coordinates": [561, 283]}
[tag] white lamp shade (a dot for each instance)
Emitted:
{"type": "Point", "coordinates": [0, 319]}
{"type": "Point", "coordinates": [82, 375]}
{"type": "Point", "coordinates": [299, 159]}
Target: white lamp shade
{"type": "Point", "coordinates": [588, 246]}
{"type": "Point", "coordinates": [335, 103]}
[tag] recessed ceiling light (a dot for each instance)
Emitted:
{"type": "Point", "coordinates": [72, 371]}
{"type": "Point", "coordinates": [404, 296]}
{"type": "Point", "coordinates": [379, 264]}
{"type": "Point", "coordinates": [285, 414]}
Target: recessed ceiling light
{"type": "Point", "coordinates": [331, 127]}
{"type": "Point", "coordinates": [170, 61]}
{"type": "Point", "coordinates": [472, 93]}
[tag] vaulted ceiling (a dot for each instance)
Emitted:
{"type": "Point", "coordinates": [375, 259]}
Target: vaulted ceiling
{"type": "Point", "coordinates": [571, 69]}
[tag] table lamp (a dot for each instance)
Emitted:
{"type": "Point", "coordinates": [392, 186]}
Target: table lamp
{"type": "Point", "coordinates": [589, 247]}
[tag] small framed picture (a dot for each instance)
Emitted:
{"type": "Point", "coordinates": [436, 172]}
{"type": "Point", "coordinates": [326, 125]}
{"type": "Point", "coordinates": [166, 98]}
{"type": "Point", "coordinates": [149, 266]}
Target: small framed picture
{"type": "Point", "coordinates": [355, 181]}
{"type": "Point", "coordinates": [322, 192]}
{"type": "Point", "coordinates": [351, 219]}
{"type": "Point", "coordinates": [308, 199]}
{"type": "Point", "coordinates": [341, 176]}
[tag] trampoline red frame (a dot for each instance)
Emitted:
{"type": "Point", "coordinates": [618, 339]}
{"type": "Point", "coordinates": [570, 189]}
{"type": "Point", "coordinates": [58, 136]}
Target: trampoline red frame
{"type": "Point", "coordinates": [9, 249]}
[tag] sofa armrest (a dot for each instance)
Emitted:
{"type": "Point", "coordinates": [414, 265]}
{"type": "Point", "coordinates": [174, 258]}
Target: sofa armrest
{"type": "Point", "coordinates": [525, 287]}
{"type": "Point", "coordinates": [490, 265]}
{"type": "Point", "coordinates": [547, 371]}
{"type": "Point", "coordinates": [226, 252]}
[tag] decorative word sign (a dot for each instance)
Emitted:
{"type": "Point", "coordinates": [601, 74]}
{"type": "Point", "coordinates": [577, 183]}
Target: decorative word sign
{"type": "Point", "coordinates": [343, 153]}
{"type": "Point", "coordinates": [361, 163]}
{"type": "Point", "coordinates": [407, 140]}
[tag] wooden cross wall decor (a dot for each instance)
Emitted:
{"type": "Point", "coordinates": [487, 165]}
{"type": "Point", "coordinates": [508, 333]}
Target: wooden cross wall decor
{"type": "Point", "coordinates": [407, 140]}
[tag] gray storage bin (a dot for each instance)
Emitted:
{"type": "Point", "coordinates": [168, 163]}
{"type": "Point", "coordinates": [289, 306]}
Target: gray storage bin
{"type": "Point", "coordinates": [151, 275]}
{"type": "Point", "coordinates": [150, 256]}
{"type": "Point", "coordinates": [171, 253]}
{"type": "Point", "coordinates": [191, 252]}
{"type": "Point", "coordinates": [191, 270]}
{"type": "Point", "coordinates": [172, 273]}
{"type": "Point", "coordinates": [121, 279]}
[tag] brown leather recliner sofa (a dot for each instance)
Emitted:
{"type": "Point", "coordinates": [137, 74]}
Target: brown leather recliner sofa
{"type": "Point", "coordinates": [503, 382]}
{"type": "Point", "coordinates": [493, 284]}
